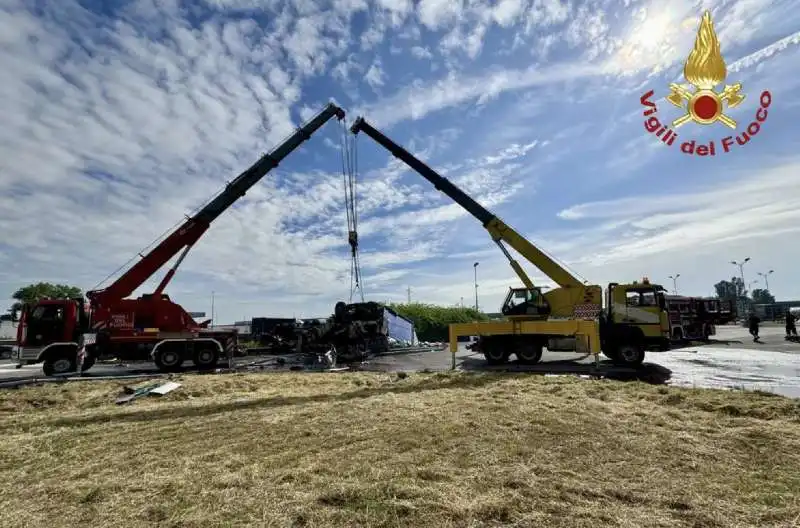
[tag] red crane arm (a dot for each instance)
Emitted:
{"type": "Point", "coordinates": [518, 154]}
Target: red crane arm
{"type": "Point", "coordinates": [190, 231]}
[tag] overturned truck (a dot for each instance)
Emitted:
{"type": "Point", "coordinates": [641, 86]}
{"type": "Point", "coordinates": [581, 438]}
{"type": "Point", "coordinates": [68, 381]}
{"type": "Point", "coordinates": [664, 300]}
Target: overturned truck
{"type": "Point", "coordinates": [355, 331]}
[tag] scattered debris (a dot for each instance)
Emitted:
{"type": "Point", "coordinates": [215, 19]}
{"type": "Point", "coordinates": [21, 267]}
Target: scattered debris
{"type": "Point", "coordinates": [165, 388]}
{"type": "Point", "coordinates": [131, 393]}
{"type": "Point", "coordinates": [159, 389]}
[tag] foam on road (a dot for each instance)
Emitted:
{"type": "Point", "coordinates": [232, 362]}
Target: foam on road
{"type": "Point", "coordinates": [730, 367]}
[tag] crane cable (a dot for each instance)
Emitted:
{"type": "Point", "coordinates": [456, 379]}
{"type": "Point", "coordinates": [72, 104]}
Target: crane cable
{"type": "Point", "coordinates": [350, 177]}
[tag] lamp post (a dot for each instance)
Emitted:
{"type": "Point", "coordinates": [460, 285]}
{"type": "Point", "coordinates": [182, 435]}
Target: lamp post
{"type": "Point", "coordinates": [475, 269]}
{"type": "Point", "coordinates": [212, 310]}
{"type": "Point", "coordinates": [741, 302]}
{"type": "Point", "coordinates": [741, 268]}
{"type": "Point", "coordinates": [766, 277]}
{"type": "Point", "coordinates": [675, 283]}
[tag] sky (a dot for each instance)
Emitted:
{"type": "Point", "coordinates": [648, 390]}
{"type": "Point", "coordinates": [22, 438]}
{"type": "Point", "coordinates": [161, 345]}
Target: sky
{"type": "Point", "coordinates": [120, 118]}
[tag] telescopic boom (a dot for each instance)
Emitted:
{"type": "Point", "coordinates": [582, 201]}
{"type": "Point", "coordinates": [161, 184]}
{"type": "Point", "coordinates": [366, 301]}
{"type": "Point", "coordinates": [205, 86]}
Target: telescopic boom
{"type": "Point", "coordinates": [185, 236]}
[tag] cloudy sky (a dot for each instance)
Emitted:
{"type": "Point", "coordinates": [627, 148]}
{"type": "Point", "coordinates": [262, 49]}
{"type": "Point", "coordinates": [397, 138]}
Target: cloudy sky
{"type": "Point", "coordinates": [121, 117]}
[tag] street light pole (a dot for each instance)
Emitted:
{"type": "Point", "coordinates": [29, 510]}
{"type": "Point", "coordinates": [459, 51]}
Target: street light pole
{"type": "Point", "coordinates": [741, 268]}
{"type": "Point", "coordinates": [766, 277]}
{"type": "Point", "coordinates": [212, 309]}
{"type": "Point", "coordinates": [675, 283]}
{"type": "Point", "coordinates": [475, 269]}
{"type": "Point", "coordinates": [744, 284]}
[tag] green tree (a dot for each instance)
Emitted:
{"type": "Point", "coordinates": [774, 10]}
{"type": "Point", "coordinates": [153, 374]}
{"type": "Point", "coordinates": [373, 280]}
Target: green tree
{"type": "Point", "coordinates": [431, 321]}
{"type": "Point", "coordinates": [762, 296]}
{"type": "Point", "coordinates": [43, 290]}
{"type": "Point", "coordinates": [732, 290]}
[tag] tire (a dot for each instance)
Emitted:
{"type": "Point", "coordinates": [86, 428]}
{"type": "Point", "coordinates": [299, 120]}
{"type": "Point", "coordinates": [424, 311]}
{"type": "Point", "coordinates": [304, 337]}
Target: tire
{"type": "Point", "coordinates": [60, 362]}
{"type": "Point", "coordinates": [205, 358]}
{"type": "Point", "coordinates": [629, 355]}
{"type": "Point", "coordinates": [494, 352]}
{"type": "Point", "coordinates": [529, 353]}
{"type": "Point", "coordinates": [168, 359]}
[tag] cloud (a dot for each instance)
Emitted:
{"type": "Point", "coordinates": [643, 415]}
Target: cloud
{"type": "Point", "coordinates": [753, 206]}
{"type": "Point", "coordinates": [418, 100]}
{"type": "Point", "coordinates": [375, 75]}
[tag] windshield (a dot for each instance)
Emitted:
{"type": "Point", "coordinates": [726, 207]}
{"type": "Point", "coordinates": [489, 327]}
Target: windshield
{"type": "Point", "coordinates": [641, 298]}
{"type": "Point", "coordinates": [47, 313]}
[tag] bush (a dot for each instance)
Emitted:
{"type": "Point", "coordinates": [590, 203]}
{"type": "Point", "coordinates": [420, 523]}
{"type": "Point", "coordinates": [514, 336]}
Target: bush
{"type": "Point", "coordinates": [431, 321]}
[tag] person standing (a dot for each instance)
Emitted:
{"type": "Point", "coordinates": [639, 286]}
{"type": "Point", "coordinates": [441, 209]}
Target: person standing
{"type": "Point", "coordinates": [754, 320]}
{"type": "Point", "coordinates": [791, 328]}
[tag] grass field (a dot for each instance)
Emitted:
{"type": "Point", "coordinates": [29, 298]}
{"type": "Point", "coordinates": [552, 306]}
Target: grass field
{"type": "Point", "coordinates": [436, 450]}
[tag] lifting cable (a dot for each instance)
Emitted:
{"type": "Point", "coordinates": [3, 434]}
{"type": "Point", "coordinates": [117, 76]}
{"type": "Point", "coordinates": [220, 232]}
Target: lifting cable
{"type": "Point", "coordinates": [349, 177]}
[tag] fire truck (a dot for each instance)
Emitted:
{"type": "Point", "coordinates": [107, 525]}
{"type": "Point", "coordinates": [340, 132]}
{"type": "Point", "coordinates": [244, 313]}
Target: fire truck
{"type": "Point", "coordinates": [66, 333]}
{"type": "Point", "coordinates": [696, 318]}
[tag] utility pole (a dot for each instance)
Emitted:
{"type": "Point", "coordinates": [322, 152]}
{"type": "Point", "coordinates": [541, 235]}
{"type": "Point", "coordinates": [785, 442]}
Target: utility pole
{"type": "Point", "coordinates": [475, 269]}
{"type": "Point", "coordinates": [766, 277]}
{"type": "Point", "coordinates": [743, 301]}
{"type": "Point", "coordinates": [408, 293]}
{"type": "Point", "coordinates": [462, 301]}
{"type": "Point", "coordinates": [675, 283]}
{"type": "Point", "coordinates": [212, 308]}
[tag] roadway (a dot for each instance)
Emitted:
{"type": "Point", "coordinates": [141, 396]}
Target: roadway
{"type": "Point", "coordinates": [731, 360]}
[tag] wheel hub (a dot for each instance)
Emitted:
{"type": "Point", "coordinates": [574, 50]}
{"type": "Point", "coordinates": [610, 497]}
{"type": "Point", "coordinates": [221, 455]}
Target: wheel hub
{"type": "Point", "coordinates": [61, 365]}
{"type": "Point", "coordinates": [205, 356]}
{"type": "Point", "coordinates": [169, 358]}
{"type": "Point", "coordinates": [494, 353]}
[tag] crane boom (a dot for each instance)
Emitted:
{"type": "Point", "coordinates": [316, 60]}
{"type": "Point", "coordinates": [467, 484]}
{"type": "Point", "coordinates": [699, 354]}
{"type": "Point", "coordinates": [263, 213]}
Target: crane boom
{"type": "Point", "coordinates": [185, 236]}
{"type": "Point", "coordinates": [499, 231]}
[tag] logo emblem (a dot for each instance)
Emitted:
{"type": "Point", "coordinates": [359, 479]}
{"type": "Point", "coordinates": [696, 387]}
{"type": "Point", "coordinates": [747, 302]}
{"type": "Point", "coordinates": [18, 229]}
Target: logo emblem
{"type": "Point", "coordinates": [704, 70]}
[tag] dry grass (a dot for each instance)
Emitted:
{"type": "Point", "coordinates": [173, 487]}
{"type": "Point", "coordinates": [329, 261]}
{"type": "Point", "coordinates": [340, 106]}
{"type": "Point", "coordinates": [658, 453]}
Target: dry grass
{"type": "Point", "coordinates": [375, 450]}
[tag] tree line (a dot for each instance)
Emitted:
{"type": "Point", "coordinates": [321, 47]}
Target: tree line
{"type": "Point", "coordinates": [33, 293]}
{"type": "Point", "coordinates": [735, 290]}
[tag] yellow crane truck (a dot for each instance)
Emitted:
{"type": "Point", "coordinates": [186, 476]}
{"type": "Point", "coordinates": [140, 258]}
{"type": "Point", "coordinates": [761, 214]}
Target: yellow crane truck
{"type": "Point", "coordinates": [570, 317]}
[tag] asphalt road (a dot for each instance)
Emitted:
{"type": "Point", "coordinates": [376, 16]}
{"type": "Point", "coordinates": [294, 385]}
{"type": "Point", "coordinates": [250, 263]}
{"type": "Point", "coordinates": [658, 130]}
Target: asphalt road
{"type": "Point", "coordinates": [732, 359]}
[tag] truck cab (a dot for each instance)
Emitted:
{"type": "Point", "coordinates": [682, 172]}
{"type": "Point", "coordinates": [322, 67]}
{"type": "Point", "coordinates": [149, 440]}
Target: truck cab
{"type": "Point", "coordinates": [48, 327]}
{"type": "Point", "coordinates": [638, 310]}
{"type": "Point", "coordinates": [529, 303]}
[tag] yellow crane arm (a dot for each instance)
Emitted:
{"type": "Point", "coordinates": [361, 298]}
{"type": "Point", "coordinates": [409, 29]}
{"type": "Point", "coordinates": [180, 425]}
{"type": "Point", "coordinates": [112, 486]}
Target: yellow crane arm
{"type": "Point", "coordinates": [498, 230]}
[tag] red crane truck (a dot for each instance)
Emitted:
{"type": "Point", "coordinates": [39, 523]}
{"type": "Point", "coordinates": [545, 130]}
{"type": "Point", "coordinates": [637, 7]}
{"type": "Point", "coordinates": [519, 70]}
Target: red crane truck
{"type": "Point", "coordinates": [151, 327]}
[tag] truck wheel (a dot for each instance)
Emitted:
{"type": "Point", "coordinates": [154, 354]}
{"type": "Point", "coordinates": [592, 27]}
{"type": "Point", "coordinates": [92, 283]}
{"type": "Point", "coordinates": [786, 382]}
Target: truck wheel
{"type": "Point", "coordinates": [494, 351]}
{"type": "Point", "coordinates": [168, 359]}
{"type": "Point", "coordinates": [205, 358]}
{"type": "Point", "coordinates": [529, 353]}
{"type": "Point", "coordinates": [629, 355]}
{"type": "Point", "coordinates": [59, 363]}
